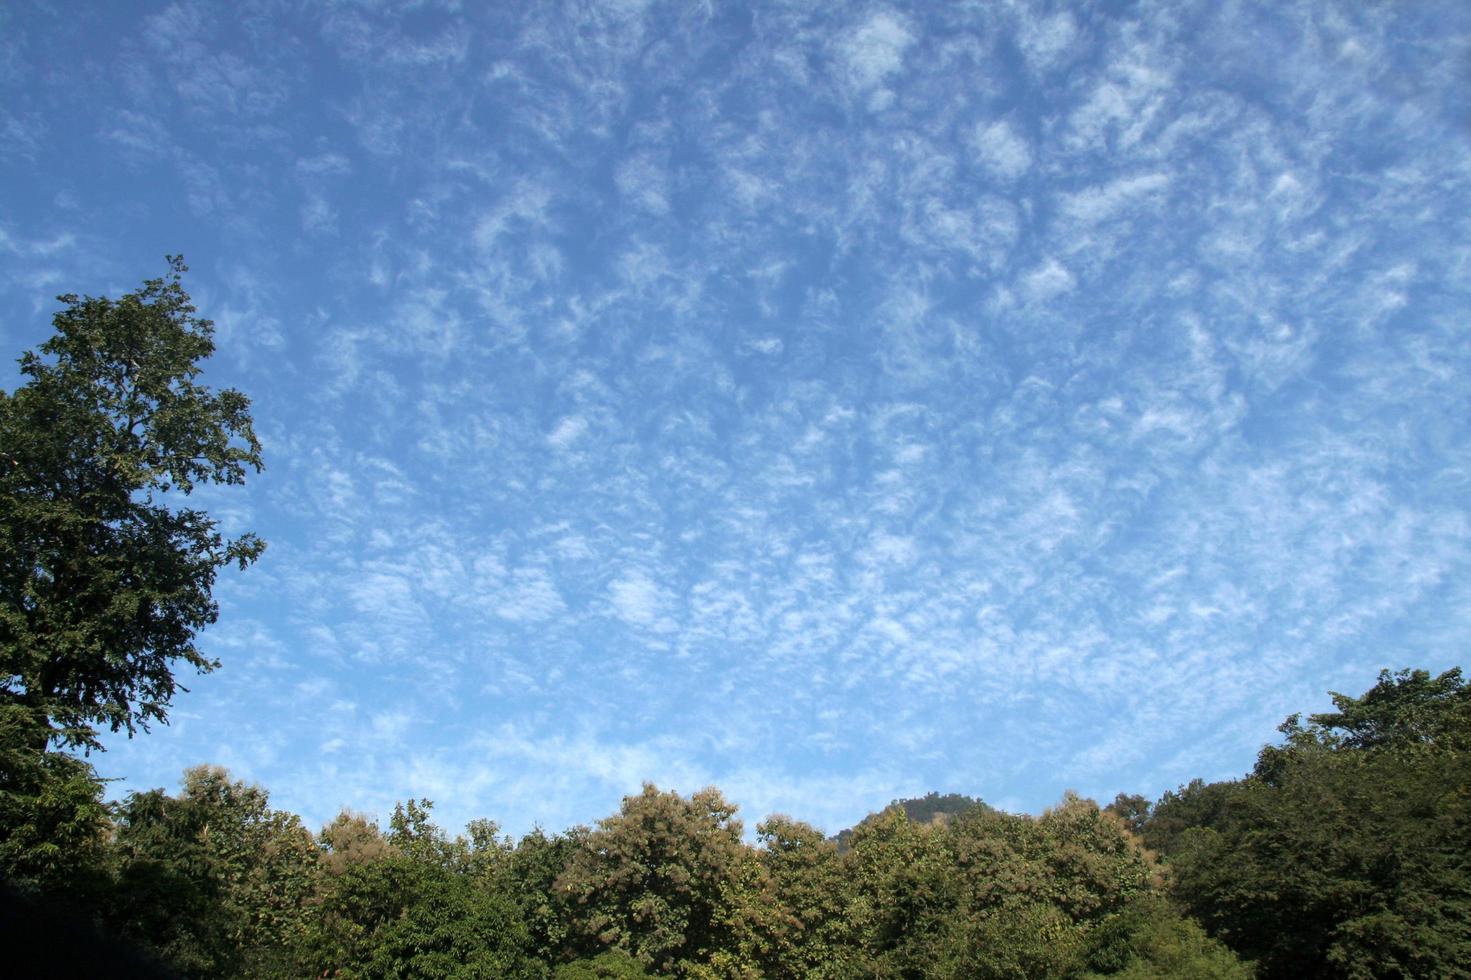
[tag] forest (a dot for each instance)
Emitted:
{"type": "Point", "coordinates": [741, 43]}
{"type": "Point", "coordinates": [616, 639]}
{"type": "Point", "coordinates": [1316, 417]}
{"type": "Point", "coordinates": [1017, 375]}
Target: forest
{"type": "Point", "coordinates": [1343, 853]}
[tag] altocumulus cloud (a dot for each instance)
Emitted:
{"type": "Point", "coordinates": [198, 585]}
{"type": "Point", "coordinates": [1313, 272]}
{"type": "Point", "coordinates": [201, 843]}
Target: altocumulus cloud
{"type": "Point", "coordinates": [830, 402]}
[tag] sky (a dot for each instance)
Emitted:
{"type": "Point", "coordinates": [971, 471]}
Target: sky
{"type": "Point", "coordinates": [827, 401]}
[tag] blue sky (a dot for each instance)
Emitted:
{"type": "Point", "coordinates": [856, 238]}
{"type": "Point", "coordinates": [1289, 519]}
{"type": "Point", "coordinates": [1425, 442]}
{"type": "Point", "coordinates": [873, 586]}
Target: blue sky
{"type": "Point", "coordinates": [828, 401]}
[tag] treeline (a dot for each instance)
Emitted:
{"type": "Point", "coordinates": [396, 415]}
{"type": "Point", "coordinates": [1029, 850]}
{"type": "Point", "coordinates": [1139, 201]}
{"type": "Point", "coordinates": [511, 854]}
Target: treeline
{"type": "Point", "coordinates": [1344, 853]}
{"type": "Point", "coordinates": [219, 884]}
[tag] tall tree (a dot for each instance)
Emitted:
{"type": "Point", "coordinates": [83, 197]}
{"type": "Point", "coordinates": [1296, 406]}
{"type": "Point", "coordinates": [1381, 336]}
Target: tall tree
{"type": "Point", "coordinates": [662, 881]}
{"type": "Point", "coordinates": [904, 895]}
{"type": "Point", "coordinates": [1347, 851]}
{"type": "Point", "coordinates": [812, 935]}
{"type": "Point", "coordinates": [419, 904]}
{"type": "Point", "coordinates": [1407, 708]}
{"type": "Point", "coordinates": [214, 879]}
{"type": "Point", "coordinates": [54, 826]}
{"type": "Point", "coordinates": [103, 584]}
{"type": "Point", "coordinates": [532, 873]}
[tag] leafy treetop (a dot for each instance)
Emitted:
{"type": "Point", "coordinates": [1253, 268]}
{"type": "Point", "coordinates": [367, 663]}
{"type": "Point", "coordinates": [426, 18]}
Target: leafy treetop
{"type": "Point", "coordinates": [103, 586]}
{"type": "Point", "coordinates": [1405, 708]}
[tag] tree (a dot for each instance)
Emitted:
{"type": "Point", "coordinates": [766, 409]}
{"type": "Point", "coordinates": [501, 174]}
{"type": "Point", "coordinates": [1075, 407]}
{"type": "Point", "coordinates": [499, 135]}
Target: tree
{"type": "Point", "coordinates": [214, 879]}
{"type": "Point", "coordinates": [662, 881]}
{"type": "Point", "coordinates": [1132, 809]}
{"type": "Point", "coordinates": [1344, 853]}
{"type": "Point", "coordinates": [402, 917]}
{"type": "Point", "coordinates": [611, 965]}
{"type": "Point", "coordinates": [1032, 890]}
{"type": "Point", "coordinates": [1404, 709]}
{"type": "Point", "coordinates": [53, 824]}
{"type": "Point", "coordinates": [1148, 939]}
{"type": "Point", "coordinates": [920, 809]}
{"type": "Point", "coordinates": [350, 839]}
{"type": "Point", "coordinates": [905, 897]}
{"type": "Point", "coordinates": [104, 585]}
{"type": "Point", "coordinates": [419, 904]}
{"type": "Point", "coordinates": [531, 873]}
{"type": "Point", "coordinates": [812, 935]}
{"type": "Point", "coordinates": [1196, 805]}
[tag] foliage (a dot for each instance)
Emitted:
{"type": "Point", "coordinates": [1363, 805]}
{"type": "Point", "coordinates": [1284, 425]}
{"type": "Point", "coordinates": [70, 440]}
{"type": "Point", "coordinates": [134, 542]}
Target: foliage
{"type": "Point", "coordinates": [811, 934]}
{"type": "Point", "coordinates": [1134, 810]}
{"type": "Point", "coordinates": [399, 917]}
{"type": "Point", "coordinates": [1345, 852]}
{"type": "Point", "coordinates": [903, 896]}
{"type": "Point", "coordinates": [214, 879]}
{"type": "Point", "coordinates": [53, 824]}
{"type": "Point", "coordinates": [103, 586]}
{"type": "Point", "coordinates": [1148, 939]}
{"type": "Point", "coordinates": [1197, 804]}
{"type": "Point", "coordinates": [414, 835]}
{"type": "Point", "coordinates": [921, 809]}
{"type": "Point", "coordinates": [1403, 710]}
{"type": "Point", "coordinates": [611, 965]}
{"type": "Point", "coordinates": [350, 839]}
{"type": "Point", "coordinates": [655, 880]}
{"type": "Point", "coordinates": [1028, 939]}
{"type": "Point", "coordinates": [414, 909]}
{"type": "Point", "coordinates": [1033, 889]}
{"type": "Point", "coordinates": [531, 874]}
{"type": "Point", "coordinates": [1096, 866]}
{"type": "Point", "coordinates": [987, 894]}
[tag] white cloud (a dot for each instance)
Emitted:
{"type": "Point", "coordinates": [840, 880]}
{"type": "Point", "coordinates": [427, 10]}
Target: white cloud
{"type": "Point", "coordinates": [1048, 280]}
{"type": "Point", "coordinates": [643, 181]}
{"type": "Point", "coordinates": [390, 726]}
{"type": "Point", "coordinates": [567, 431]}
{"type": "Point", "coordinates": [1097, 203]}
{"type": "Point", "coordinates": [891, 549]}
{"type": "Point", "coordinates": [875, 50]}
{"type": "Point", "coordinates": [530, 597]}
{"type": "Point", "coordinates": [324, 164]}
{"type": "Point", "coordinates": [1046, 41]}
{"type": "Point", "coordinates": [1001, 150]}
{"type": "Point", "coordinates": [637, 600]}
{"type": "Point", "coordinates": [524, 207]}
{"type": "Point", "coordinates": [317, 215]}
{"type": "Point", "coordinates": [649, 376]}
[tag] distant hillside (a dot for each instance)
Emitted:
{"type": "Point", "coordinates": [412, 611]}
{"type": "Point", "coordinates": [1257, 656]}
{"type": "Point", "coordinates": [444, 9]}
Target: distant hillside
{"type": "Point", "coordinates": [920, 809]}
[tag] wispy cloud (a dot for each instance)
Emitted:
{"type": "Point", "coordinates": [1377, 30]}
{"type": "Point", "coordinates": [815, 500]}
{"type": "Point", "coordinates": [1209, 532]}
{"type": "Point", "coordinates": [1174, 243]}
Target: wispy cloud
{"type": "Point", "coordinates": [894, 396]}
{"type": "Point", "coordinates": [874, 50]}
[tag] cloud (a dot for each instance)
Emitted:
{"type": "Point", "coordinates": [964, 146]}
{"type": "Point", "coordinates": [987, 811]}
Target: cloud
{"type": "Point", "coordinates": [765, 345]}
{"type": "Point", "coordinates": [567, 431]}
{"type": "Point", "coordinates": [874, 50]}
{"type": "Point", "coordinates": [1098, 203]}
{"type": "Point", "coordinates": [749, 377]}
{"type": "Point", "coordinates": [638, 601]}
{"type": "Point", "coordinates": [643, 181]}
{"type": "Point", "coordinates": [1046, 41]}
{"type": "Point", "coordinates": [317, 215]}
{"type": "Point", "coordinates": [1047, 281]}
{"type": "Point", "coordinates": [324, 165]}
{"type": "Point", "coordinates": [524, 207]}
{"type": "Point", "coordinates": [999, 148]}
{"type": "Point", "coordinates": [532, 596]}
{"type": "Point", "coordinates": [140, 133]}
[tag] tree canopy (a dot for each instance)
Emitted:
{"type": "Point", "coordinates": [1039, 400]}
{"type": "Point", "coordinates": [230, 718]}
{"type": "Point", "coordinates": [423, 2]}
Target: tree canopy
{"type": "Point", "coordinates": [103, 584]}
{"type": "Point", "coordinates": [1344, 853]}
{"type": "Point", "coordinates": [1403, 709]}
